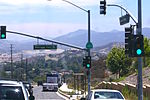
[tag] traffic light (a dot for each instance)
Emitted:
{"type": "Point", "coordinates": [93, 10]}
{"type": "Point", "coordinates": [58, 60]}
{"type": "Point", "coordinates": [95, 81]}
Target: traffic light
{"type": "Point", "coordinates": [129, 40]}
{"type": "Point", "coordinates": [3, 32]}
{"type": "Point", "coordinates": [87, 61]}
{"type": "Point", "coordinates": [84, 62]}
{"type": "Point", "coordinates": [139, 46]}
{"type": "Point", "coordinates": [103, 7]}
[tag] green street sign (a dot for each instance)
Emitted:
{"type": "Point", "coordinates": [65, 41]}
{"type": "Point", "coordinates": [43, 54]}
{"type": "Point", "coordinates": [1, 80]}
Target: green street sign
{"type": "Point", "coordinates": [89, 45]}
{"type": "Point", "coordinates": [42, 47]}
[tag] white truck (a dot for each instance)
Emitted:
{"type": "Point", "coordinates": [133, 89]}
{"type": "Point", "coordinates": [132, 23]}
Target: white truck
{"type": "Point", "coordinates": [52, 82]}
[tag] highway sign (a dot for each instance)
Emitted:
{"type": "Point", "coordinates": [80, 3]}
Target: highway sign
{"type": "Point", "coordinates": [42, 47]}
{"type": "Point", "coordinates": [89, 45]}
{"type": "Point", "coordinates": [124, 19]}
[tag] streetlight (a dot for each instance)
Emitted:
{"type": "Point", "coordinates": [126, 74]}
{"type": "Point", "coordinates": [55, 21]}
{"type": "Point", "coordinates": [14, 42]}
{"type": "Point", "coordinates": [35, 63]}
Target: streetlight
{"type": "Point", "coordinates": [89, 44]}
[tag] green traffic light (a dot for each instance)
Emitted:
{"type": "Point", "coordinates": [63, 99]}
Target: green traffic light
{"type": "Point", "coordinates": [139, 51]}
{"type": "Point", "coordinates": [88, 65]}
{"type": "Point", "coordinates": [2, 35]}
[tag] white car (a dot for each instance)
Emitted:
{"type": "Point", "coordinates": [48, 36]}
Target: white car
{"type": "Point", "coordinates": [12, 90]}
{"type": "Point", "coordinates": [105, 94]}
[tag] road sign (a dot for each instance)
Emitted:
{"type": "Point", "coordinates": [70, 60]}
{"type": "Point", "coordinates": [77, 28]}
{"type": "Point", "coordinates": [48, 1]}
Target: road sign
{"type": "Point", "coordinates": [89, 45]}
{"type": "Point", "coordinates": [124, 19]}
{"type": "Point", "coordinates": [42, 47]}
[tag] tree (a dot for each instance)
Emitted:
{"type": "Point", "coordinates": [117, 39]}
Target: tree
{"type": "Point", "coordinates": [146, 58]}
{"type": "Point", "coordinates": [117, 62]}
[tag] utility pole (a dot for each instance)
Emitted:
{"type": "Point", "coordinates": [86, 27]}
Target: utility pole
{"type": "Point", "coordinates": [26, 69]}
{"type": "Point", "coordinates": [21, 66]}
{"type": "Point", "coordinates": [139, 32]}
{"type": "Point", "coordinates": [11, 61]}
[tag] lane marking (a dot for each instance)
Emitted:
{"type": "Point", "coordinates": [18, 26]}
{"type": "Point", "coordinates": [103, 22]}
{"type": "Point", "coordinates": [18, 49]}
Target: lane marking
{"type": "Point", "coordinates": [62, 96]}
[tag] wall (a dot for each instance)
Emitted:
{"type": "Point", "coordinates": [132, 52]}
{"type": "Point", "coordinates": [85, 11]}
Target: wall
{"type": "Point", "coordinates": [120, 86]}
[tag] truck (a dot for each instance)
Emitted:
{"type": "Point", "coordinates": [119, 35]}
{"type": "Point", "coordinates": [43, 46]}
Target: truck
{"type": "Point", "coordinates": [52, 82]}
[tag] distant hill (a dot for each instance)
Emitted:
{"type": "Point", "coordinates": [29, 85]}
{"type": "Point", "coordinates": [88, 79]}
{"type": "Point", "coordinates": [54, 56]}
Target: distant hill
{"type": "Point", "coordinates": [17, 46]}
{"type": "Point", "coordinates": [106, 48]}
{"type": "Point", "coordinates": [79, 37]}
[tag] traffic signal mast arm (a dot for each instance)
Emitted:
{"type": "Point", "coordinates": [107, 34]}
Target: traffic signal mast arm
{"type": "Point", "coordinates": [37, 37]}
{"type": "Point", "coordinates": [128, 12]}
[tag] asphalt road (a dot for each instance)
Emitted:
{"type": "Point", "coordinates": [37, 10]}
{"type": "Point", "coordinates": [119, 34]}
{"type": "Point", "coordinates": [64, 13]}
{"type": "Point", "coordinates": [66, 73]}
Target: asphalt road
{"type": "Point", "coordinates": [40, 95]}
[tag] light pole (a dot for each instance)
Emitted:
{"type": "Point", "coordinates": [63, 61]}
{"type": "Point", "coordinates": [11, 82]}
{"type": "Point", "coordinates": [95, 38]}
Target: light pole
{"type": "Point", "coordinates": [89, 39]}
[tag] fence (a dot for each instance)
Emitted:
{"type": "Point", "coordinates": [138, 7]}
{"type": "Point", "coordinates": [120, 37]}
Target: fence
{"type": "Point", "coordinates": [120, 86]}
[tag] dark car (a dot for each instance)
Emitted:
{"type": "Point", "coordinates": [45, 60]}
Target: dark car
{"type": "Point", "coordinates": [39, 83]}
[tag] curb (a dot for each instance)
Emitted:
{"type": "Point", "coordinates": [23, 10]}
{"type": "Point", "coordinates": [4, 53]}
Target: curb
{"type": "Point", "coordinates": [67, 96]}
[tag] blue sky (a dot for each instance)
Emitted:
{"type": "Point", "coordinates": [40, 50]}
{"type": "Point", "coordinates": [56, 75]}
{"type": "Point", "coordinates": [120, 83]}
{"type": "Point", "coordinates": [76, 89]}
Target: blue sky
{"type": "Point", "coordinates": [55, 18]}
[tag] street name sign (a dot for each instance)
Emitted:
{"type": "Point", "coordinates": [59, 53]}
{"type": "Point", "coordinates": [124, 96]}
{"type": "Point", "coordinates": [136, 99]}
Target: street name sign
{"type": "Point", "coordinates": [124, 19]}
{"type": "Point", "coordinates": [42, 47]}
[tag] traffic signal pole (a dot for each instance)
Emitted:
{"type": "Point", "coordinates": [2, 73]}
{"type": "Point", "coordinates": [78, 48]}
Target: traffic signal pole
{"type": "Point", "coordinates": [139, 31]}
{"type": "Point", "coordinates": [89, 40]}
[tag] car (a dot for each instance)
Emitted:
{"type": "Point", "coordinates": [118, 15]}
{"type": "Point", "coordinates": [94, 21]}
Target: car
{"type": "Point", "coordinates": [105, 94]}
{"type": "Point", "coordinates": [39, 83]}
{"type": "Point", "coordinates": [12, 90]}
{"type": "Point", "coordinates": [28, 86]}
{"type": "Point", "coordinates": [50, 87]}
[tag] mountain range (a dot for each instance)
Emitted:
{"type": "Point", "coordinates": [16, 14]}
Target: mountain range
{"type": "Point", "coordinates": [78, 38]}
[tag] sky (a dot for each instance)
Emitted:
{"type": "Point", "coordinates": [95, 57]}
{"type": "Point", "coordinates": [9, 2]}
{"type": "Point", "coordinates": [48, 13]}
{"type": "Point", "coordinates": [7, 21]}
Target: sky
{"type": "Point", "coordinates": [54, 18]}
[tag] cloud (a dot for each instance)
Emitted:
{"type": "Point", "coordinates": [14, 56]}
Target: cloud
{"type": "Point", "coordinates": [13, 6]}
{"type": "Point", "coordinates": [54, 2]}
{"type": "Point", "coordinates": [45, 29]}
{"type": "Point", "coordinates": [23, 2]}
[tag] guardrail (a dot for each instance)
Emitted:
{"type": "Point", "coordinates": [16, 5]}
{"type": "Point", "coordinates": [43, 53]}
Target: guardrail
{"type": "Point", "coordinates": [120, 86]}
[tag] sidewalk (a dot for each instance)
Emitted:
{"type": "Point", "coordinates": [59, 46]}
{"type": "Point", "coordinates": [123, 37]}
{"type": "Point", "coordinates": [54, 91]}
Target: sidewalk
{"type": "Point", "coordinates": [65, 88]}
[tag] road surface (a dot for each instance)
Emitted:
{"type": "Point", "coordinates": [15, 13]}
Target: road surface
{"type": "Point", "coordinates": [40, 95]}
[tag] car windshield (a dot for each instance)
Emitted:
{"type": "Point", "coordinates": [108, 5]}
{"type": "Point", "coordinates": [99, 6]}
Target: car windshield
{"type": "Point", "coordinates": [11, 93]}
{"type": "Point", "coordinates": [27, 85]}
{"type": "Point", "coordinates": [51, 79]}
{"type": "Point", "coordinates": [107, 95]}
